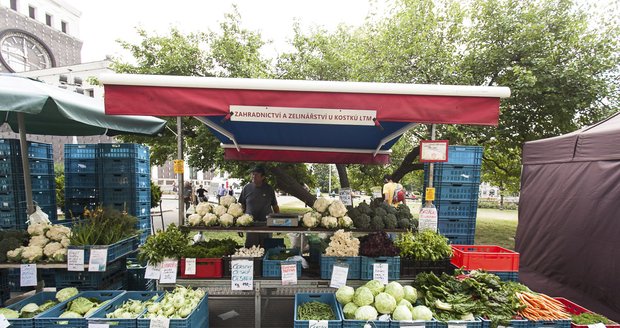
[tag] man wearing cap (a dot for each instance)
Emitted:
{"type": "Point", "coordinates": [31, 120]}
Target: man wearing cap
{"type": "Point", "coordinates": [259, 200]}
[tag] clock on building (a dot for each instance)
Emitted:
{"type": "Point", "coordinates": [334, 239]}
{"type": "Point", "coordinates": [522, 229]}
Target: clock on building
{"type": "Point", "coordinates": [21, 51]}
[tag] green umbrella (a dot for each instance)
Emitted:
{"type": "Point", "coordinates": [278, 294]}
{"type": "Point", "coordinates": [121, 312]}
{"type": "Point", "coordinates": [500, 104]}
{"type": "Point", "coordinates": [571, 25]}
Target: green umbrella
{"type": "Point", "coordinates": [31, 106]}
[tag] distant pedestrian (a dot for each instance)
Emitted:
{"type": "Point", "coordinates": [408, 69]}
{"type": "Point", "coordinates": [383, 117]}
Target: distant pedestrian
{"type": "Point", "coordinates": [201, 192]}
{"type": "Point", "coordinates": [231, 191]}
{"type": "Point", "coordinates": [174, 187]}
{"type": "Point", "coordinates": [187, 194]}
{"type": "Point", "coordinates": [221, 191]}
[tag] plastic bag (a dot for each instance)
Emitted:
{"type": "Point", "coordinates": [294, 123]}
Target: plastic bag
{"type": "Point", "coordinates": [38, 217]}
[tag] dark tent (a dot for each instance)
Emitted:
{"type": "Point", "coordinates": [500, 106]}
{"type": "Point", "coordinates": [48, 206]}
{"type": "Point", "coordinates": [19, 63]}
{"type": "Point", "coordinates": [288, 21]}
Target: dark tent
{"type": "Point", "coordinates": [569, 217]}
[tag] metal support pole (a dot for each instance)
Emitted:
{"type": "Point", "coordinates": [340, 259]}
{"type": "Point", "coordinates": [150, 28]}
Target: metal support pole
{"type": "Point", "coordinates": [257, 305]}
{"type": "Point", "coordinates": [25, 165]}
{"type": "Point", "coordinates": [431, 168]}
{"type": "Point", "coordinates": [180, 175]}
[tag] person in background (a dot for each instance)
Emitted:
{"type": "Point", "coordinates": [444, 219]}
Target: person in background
{"type": "Point", "coordinates": [221, 191]}
{"type": "Point", "coordinates": [231, 192]}
{"type": "Point", "coordinates": [187, 194]}
{"type": "Point", "coordinates": [259, 200]}
{"type": "Point", "coordinates": [388, 189]}
{"type": "Point", "coordinates": [201, 192]}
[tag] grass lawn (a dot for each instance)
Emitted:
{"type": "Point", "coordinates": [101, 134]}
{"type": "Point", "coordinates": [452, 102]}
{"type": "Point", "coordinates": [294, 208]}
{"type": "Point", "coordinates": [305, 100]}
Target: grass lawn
{"type": "Point", "coordinates": [495, 227]}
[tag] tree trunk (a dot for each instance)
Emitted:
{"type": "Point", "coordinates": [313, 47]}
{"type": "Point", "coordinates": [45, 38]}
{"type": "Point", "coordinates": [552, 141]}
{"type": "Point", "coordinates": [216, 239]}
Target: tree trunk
{"type": "Point", "coordinates": [408, 165]}
{"type": "Point", "coordinates": [343, 176]}
{"type": "Point", "coordinates": [291, 186]}
{"type": "Point", "coordinates": [501, 196]}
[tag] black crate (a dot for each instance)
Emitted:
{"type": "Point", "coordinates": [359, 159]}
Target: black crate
{"type": "Point", "coordinates": [410, 268]}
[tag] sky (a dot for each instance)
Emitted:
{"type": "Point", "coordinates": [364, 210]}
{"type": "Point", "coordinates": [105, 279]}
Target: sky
{"type": "Point", "coordinates": [103, 22]}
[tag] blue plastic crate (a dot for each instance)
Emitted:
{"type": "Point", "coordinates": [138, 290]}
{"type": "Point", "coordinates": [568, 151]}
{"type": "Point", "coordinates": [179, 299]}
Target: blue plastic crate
{"type": "Point", "coordinates": [40, 150]}
{"type": "Point", "coordinates": [456, 209]}
{"type": "Point", "coordinates": [550, 324]}
{"type": "Point", "coordinates": [271, 268]}
{"type": "Point", "coordinates": [13, 219]}
{"type": "Point", "coordinates": [503, 276]}
{"type": "Point", "coordinates": [460, 239]}
{"type": "Point", "coordinates": [135, 277]}
{"type": "Point", "coordinates": [9, 147]}
{"type": "Point", "coordinates": [114, 196]}
{"type": "Point", "coordinates": [132, 208]}
{"type": "Point", "coordinates": [112, 278]}
{"type": "Point", "coordinates": [99, 317]}
{"type": "Point", "coordinates": [9, 167]}
{"type": "Point", "coordinates": [81, 180]}
{"type": "Point", "coordinates": [367, 268]}
{"type": "Point", "coordinates": [38, 299]}
{"type": "Point", "coordinates": [125, 180]}
{"type": "Point", "coordinates": [115, 251]}
{"type": "Point", "coordinates": [41, 166]}
{"type": "Point", "coordinates": [125, 166]}
{"type": "Point", "coordinates": [123, 150]}
{"type": "Point", "coordinates": [456, 226]}
{"type": "Point", "coordinates": [81, 151]}
{"type": "Point", "coordinates": [41, 182]}
{"type": "Point", "coordinates": [44, 198]}
{"type": "Point", "coordinates": [48, 276]}
{"type": "Point", "coordinates": [512, 323]}
{"type": "Point", "coordinates": [144, 225]}
{"type": "Point", "coordinates": [199, 318]}
{"type": "Point", "coordinates": [448, 173]}
{"type": "Point", "coordinates": [456, 191]}
{"type": "Point", "coordinates": [82, 193]}
{"type": "Point", "coordinates": [414, 323]}
{"type": "Point", "coordinates": [74, 207]}
{"type": "Point", "coordinates": [464, 155]}
{"type": "Point", "coordinates": [354, 263]}
{"type": "Point", "coordinates": [52, 318]}
{"type": "Point", "coordinates": [143, 236]}
{"type": "Point", "coordinates": [467, 324]}
{"type": "Point", "coordinates": [80, 165]}
{"type": "Point", "coordinates": [329, 299]}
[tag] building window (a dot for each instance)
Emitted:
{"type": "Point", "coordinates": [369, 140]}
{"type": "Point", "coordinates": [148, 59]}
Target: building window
{"type": "Point", "coordinates": [63, 26]}
{"type": "Point", "coordinates": [32, 12]}
{"type": "Point", "coordinates": [14, 5]}
{"type": "Point", "coordinates": [48, 19]}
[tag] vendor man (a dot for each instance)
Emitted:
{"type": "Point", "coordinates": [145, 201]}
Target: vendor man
{"type": "Point", "coordinates": [259, 200]}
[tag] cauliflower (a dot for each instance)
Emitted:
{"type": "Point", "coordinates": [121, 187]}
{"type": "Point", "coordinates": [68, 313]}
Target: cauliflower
{"type": "Point", "coordinates": [337, 209]}
{"type": "Point", "coordinates": [227, 200]}
{"type": "Point", "coordinates": [51, 248]}
{"type": "Point", "coordinates": [219, 210]}
{"type": "Point", "coordinates": [235, 210]}
{"type": "Point", "coordinates": [65, 242]}
{"type": "Point", "coordinates": [345, 222]}
{"type": "Point", "coordinates": [203, 208]}
{"type": "Point", "coordinates": [39, 241]}
{"type": "Point", "coordinates": [194, 219]}
{"type": "Point", "coordinates": [15, 255]}
{"type": "Point", "coordinates": [60, 255]}
{"type": "Point", "coordinates": [343, 244]}
{"type": "Point", "coordinates": [32, 254]}
{"type": "Point", "coordinates": [226, 220]}
{"type": "Point", "coordinates": [311, 219]}
{"type": "Point", "coordinates": [244, 220]}
{"type": "Point", "coordinates": [38, 229]}
{"type": "Point", "coordinates": [57, 232]}
{"type": "Point", "coordinates": [321, 204]}
{"type": "Point", "coordinates": [329, 222]}
{"type": "Point", "coordinates": [209, 219]}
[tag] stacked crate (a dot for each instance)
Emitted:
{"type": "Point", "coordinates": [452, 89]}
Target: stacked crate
{"type": "Point", "coordinates": [13, 207]}
{"type": "Point", "coordinates": [81, 179]}
{"type": "Point", "coordinates": [125, 181]}
{"type": "Point", "coordinates": [457, 183]}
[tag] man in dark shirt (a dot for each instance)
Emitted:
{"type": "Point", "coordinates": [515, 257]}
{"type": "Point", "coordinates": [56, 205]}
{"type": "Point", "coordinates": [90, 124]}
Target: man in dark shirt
{"type": "Point", "coordinates": [258, 199]}
{"type": "Point", "coordinates": [201, 194]}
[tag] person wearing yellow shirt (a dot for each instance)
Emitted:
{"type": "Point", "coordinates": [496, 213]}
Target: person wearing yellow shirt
{"type": "Point", "coordinates": [388, 189]}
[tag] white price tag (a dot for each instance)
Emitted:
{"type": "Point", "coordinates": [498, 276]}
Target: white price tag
{"type": "Point", "coordinates": [168, 272]}
{"type": "Point", "coordinates": [318, 323]}
{"type": "Point", "coordinates": [28, 275]}
{"type": "Point", "coordinates": [289, 274]}
{"type": "Point", "coordinates": [190, 266]}
{"type": "Point", "coordinates": [345, 196]}
{"type": "Point", "coordinates": [4, 322]}
{"type": "Point", "coordinates": [75, 259]}
{"type": "Point", "coordinates": [98, 325]}
{"type": "Point", "coordinates": [98, 259]}
{"type": "Point", "coordinates": [428, 219]}
{"type": "Point", "coordinates": [455, 325]}
{"type": "Point", "coordinates": [152, 272]}
{"type": "Point", "coordinates": [160, 323]}
{"type": "Point", "coordinates": [339, 275]}
{"type": "Point", "coordinates": [380, 272]}
{"type": "Point", "coordinates": [242, 274]}
{"type": "Point", "coordinates": [597, 325]}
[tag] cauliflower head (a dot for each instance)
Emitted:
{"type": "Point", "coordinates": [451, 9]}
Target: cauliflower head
{"type": "Point", "coordinates": [38, 229]}
{"type": "Point", "coordinates": [60, 255]}
{"type": "Point", "coordinates": [311, 219]}
{"type": "Point", "coordinates": [226, 220]}
{"type": "Point", "coordinates": [209, 219]}
{"type": "Point", "coordinates": [220, 210]}
{"type": "Point", "coordinates": [58, 232]}
{"type": "Point", "coordinates": [32, 254]}
{"type": "Point", "coordinates": [227, 200]}
{"type": "Point", "coordinates": [194, 219]}
{"type": "Point", "coordinates": [244, 220]}
{"type": "Point", "coordinates": [321, 204]}
{"type": "Point", "coordinates": [39, 241]}
{"type": "Point", "coordinates": [235, 210]}
{"type": "Point", "coordinates": [329, 222]}
{"type": "Point", "coordinates": [203, 208]}
{"type": "Point", "coordinates": [343, 244]}
{"type": "Point", "coordinates": [15, 255]}
{"type": "Point", "coordinates": [337, 209]}
{"type": "Point", "coordinates": [345, 222]}
{"type": "Point", "coordinates": [51, 248]}
{"type": "Point", "coordinates": [65, 242]}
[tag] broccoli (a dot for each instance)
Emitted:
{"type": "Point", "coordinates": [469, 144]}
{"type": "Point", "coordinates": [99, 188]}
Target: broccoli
{"type": "Point", "coordinates": [402, 208]}
{"type": "Point", "coordinates": [391, 210]}
{"type": "Point", "coordinates": [390, 221]}
{"type": "Point", "coordinates": [364, 208]}
{"type": "Point", "coordinates": [380, 212]}
{"type": "Point", "coordinates": [377, 223]}
{"type": "Point", "coordinates": [362, 221]}
{"type": "Point", "coordinates": [404, 224]}
{"type": "Point", "coordinates": [354, 212]}
{"type": "Point", "coordinates": [8, 244]}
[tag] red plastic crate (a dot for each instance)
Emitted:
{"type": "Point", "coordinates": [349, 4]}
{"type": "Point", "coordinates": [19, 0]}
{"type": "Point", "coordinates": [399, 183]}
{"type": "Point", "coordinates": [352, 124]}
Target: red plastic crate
{"type": "Point", "coordinates": [205, 268]}
{"type": "Point", "coordinates": [487, 257]}
{"type": "Point", "coordinates": [573, 308]}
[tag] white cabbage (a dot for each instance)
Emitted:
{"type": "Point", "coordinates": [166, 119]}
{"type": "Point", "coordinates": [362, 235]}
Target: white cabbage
{"type": "Point", "coordinates": [337, 209]}
{"type": "Point", "coordinates": [235, 210]}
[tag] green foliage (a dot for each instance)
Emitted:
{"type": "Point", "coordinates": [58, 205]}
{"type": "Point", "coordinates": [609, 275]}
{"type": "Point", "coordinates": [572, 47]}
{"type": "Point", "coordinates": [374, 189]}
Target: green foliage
{"type": "Point", "coordinates": [213, 248]}
{"type": "Point", "coordinates": [497, 205]}
{"type": "Point", "coordinates": [59, 176]}
{"type": "Point", "coordinates": [103, 227]}
{"type": "Point", "coordinates": [170, 243]}
{"type": "Point", "coordinates": [155, 195]}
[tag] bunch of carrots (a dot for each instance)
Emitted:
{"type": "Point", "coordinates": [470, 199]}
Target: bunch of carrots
{"type": "Point", "coordinates": [539, 307]}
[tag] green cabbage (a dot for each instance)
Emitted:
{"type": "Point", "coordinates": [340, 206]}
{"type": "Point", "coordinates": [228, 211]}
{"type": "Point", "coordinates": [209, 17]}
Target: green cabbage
{"type": "Point", "coordinates": [366, 313]}
{"type": "Point", "coordinates": [421, 312]}
{"type": "Point", "coordinates": [402, 313]}
{"type": "Point", "coordinates": [81, 305]}
{"type": "Point", "coordinates": [375, 287]}
{"type": "Point", "coordinates": [345, 294]}
{"type": "Point", "coordinates": [349, 310]}
{"type": "Point", "coordinates": [411, 294]}
{"type": "Point", "coordinates": [406, 303]}
{"type": "Point", "coordinates": [363, 296]}
{"type": "Point", "coordinates": [30, 307]}
{"type": "Point", "coordinates": [385, 303]}
{"type": "Point", "coordinates": [396, 290]}
{"type": "Point", "coordinates": [66, 293]}
{"type": "Point", "coordinates": [9, 314]}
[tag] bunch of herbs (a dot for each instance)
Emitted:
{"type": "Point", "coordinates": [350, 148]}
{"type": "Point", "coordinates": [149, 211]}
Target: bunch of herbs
{"type": "Point", "coordinates": [103, 227]}
{"type": "Point", "coordinates": [213, 248]}
{"type": "Point", "coordinates": [170, 243]}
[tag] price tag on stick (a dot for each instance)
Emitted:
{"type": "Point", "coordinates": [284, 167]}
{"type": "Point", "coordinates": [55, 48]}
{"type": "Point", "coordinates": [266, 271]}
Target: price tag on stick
{"type": "Point", "coordinates": [152, 272]}
{"type": "Point", "coordinates": [380, 272]}
{"type": "Point", "coordinates": [242, 274]}
{"type": "Point", "coordinates": [339, 275]}
{"type": "Point", "coordinates": [75, 259]}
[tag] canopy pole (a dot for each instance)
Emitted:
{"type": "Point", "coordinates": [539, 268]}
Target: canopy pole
{"type": "Point", "coordinates": [23, 144]}
{"type": "Point", "coordinates": [431, 166]}
{"type": "Point", "coordinates": [180, 175]}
